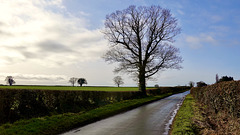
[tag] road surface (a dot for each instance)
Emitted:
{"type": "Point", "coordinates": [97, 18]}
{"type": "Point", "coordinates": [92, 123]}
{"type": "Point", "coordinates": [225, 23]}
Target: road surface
{"type": "Point", "coordinates": [150, 119]}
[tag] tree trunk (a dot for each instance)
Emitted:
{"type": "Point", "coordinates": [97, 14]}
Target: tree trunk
{"type": "Point", "coordinates": [142, 83]}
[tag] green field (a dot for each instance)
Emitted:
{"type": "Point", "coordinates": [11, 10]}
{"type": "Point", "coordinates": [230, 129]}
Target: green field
{"type": "Point", "coordinates": [86, 88]}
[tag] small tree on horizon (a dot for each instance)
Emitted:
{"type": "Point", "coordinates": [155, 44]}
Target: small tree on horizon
{"type": "Point", "coordinates": [118, 80]}
{"type": "Point", "coordinates": [9, 80]}
{"type": "Point", "coordinates": [191, 84]}
{"type": "Point", "coordinates": [73, 80]}
{"type": "Point", "coordinates": [82, 81]}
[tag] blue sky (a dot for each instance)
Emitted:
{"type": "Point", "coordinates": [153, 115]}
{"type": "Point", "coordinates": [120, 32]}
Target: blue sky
{"type": "Point", "coordinates": [47, 42]}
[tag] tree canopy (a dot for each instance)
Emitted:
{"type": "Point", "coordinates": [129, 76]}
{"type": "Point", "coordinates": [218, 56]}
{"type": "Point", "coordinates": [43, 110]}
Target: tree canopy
{"type": "Point", "coordinates": [82, 81]}
{"type": "Point", "coordinates": [226, 78]}
{"type": "Point", "coordinates": [140, 41]}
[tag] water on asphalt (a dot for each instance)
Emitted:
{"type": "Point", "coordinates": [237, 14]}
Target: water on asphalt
{"type": "Point", "coordinates": [150, 119]}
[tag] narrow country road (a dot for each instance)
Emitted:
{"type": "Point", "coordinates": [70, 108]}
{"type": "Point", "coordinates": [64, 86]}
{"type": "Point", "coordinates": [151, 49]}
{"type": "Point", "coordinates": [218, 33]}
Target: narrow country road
{"type": "Point", "coordinates": [150, 119]}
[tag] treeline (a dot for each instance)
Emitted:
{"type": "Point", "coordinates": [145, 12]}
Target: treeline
{"type": "Point", "coordinates": [222, 102]}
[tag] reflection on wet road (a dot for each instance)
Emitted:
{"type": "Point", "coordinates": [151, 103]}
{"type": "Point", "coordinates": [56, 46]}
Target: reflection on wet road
{"type": "Point", "coordinates": [150, 119]}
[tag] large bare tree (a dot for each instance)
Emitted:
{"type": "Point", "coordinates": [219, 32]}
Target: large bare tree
{"type": "Point", "coordinates": [140, 40]}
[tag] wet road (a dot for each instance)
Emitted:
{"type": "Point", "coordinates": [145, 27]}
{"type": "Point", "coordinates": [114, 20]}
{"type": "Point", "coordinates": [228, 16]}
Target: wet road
{"type": "Point", "coordinates": [150, 119]}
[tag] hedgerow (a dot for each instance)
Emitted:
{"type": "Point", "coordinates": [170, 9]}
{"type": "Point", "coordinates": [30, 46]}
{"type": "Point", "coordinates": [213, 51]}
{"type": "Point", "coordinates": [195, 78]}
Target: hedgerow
{"type": "Point", "coordinates": [222, 105]}
{"type": "Point", "coordinates": [18, 104]}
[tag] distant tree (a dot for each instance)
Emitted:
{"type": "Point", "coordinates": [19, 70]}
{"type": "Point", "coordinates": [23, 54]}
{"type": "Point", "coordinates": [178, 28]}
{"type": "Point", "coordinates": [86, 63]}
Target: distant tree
{"type": "Point", "coordinates": [156, 86]}
{"type": "Point", "coordinates": [226, 78]}
{"type": "Point", "coordinates": [73, 80]}
{"type": "Point", "coordinates": [140, 41]}
{"type": "Point", "coordinates": [217, 78]}
{"type": "Point", "coordinates": [82, 81]}
{"type": "Point", "coordinates": [9, 80]}
{"type": "Point", "coordinates": [201, 84]}
{"type": "Point", "coordinates": [118, 80]}
{"type": "Point", "coordinates": [191, 84]}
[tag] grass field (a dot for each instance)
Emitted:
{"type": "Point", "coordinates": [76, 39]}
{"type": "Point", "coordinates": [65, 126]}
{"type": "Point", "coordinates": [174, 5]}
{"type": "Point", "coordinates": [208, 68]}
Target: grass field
{"type": "Point", "coordinates": [86, 88]}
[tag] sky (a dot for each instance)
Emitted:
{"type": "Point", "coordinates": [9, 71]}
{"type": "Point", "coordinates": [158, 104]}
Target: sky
{"type": "Point", "coordinates": [46, 42]}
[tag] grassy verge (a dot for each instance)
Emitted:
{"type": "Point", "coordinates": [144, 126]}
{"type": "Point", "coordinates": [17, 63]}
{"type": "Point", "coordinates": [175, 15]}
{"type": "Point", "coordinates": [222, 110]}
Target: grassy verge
{"type": "Point", "coordinates": [56, 124]}
{"type": "Point", "coordinates": [183, 122]}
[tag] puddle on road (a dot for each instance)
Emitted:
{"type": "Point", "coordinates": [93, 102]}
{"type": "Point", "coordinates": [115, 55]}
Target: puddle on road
{"type": "Point", "coordinates": [167, 128]}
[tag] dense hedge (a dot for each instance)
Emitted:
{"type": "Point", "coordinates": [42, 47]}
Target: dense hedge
{"type": "Point", "coordinates": [221, 97]}
{"type": "Point", "coordinates": [24, 104]}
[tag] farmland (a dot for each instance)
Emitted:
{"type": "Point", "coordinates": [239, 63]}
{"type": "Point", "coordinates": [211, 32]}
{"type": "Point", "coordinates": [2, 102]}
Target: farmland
{"type": "Point", "coordinates": [86, 88]}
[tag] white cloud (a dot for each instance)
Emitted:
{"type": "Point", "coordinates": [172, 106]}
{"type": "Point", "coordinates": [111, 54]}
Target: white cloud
{"type": "Point", "coordinates": [45, 33]}
{"type": "Point", "coordinates": [198, 41]}
{"type": "Point", "coordinates": [18, 77]}
{"type": "Point", "coordinates": [180, 12]}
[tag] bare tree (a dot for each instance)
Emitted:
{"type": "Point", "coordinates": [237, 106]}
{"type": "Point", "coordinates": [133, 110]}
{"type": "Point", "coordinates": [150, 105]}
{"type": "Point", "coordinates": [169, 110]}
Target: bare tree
{"type": "Point", "coordinates": [191, 84]}
{"type": "Point", "coordinates": [82, 81]}
{"type": "Point", "coordinates": [9, 80]}
{"type": "Point", "coordinates": [140, 40]}
{"type": "Point", "coordinates": [118, 80]}
{"type": "Point", "coordinates": [73, 80]}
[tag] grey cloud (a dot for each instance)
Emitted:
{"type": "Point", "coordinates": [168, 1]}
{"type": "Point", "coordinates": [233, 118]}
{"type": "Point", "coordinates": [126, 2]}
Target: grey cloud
{"type": "Point", "coordinates": [22, 50]}
{"type": "Point", "coordinates": [29, 54]}
{"type": "Point", "coordinates": [52, 46]}
{"type": "Point", "coordinates": [2, 24]}
{"type": "Point", "coordinates": [3, 33]}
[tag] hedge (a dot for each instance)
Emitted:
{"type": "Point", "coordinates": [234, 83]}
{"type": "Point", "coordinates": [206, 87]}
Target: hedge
{"type": "Point", "coordinates": [18, 104]}
{"type": "Point", "coordinates": [162, 90]}
{"type": "Point", "coordinates": [221, 97]}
